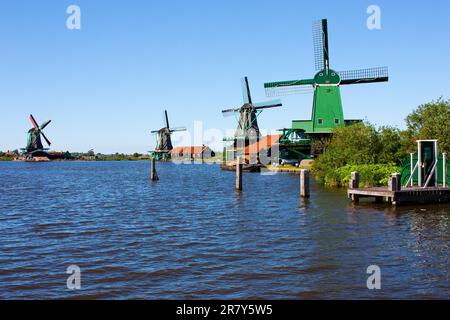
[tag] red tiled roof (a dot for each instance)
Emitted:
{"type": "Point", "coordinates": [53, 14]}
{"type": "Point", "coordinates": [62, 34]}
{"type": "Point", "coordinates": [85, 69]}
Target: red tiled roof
{"type": "Point", "coordinates": [264, 143]}
{"type": "Point", "coordinates": [188, 150]}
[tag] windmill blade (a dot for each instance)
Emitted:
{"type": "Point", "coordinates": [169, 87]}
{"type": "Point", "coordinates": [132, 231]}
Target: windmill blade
{"type": "Point", "coordinates": [167, 119]}
{"type": "Point", "coordinates": [178, 129]}
{"type": "Point", "coordinates": [33, 122]}
{"type": "Point", "coordinates": [231, 110]}
{"type": "Point", "coordinates": [379, 74]}
{"type": "Point", "coordinates": [246, 96]}
{"type": "Point", "coordinates": [320, 42]}
{"type": "Point", "coordinates": [45, 124]}
{"type": "Point", "coordinates": [154, 131]}
{"type": "Point", "coordinates": [275, 89]}
{"type": "Point", "coordinates": [45, 138]}
{"type": "Point", "coordinates": [269, 104]}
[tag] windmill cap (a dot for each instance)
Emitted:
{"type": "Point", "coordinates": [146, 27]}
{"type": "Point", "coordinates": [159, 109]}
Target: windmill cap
{"type": "Point", "coordinates": [332, 78]}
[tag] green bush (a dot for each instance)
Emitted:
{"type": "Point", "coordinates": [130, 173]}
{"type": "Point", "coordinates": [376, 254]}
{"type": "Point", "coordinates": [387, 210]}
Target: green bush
{"type": "Point", "coordinates": [370, 175]}
{"type": "Point", "coordinates": [348, 145]}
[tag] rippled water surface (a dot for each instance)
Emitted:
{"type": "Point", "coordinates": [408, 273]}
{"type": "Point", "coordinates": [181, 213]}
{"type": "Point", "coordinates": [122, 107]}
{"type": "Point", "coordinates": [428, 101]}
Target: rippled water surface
{"type": "Point", "coordinates": [192, 236]}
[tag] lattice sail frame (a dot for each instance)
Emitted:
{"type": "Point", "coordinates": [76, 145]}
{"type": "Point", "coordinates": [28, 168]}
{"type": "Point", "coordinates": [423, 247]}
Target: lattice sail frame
{"type": "Point", "coordinates": [286, 91]}
{"type": "Point", "coordinates": [318, 42]}
{"type": "Point", "coordinates": [364, 75]}
{"type": "Point", "coordinates": [276, 89]}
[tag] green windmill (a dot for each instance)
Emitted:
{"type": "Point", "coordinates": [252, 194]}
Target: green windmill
{"type": "Point", "coordinates": [327, 112]}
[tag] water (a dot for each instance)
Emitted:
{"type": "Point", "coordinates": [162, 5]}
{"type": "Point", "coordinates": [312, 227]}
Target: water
{"type": "Point", "coordinates": [191, 236]}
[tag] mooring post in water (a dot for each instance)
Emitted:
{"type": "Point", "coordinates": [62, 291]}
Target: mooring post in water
{"type": "Point", "coordinates": [394, 182]}
{"type": "Point", "coordinates": [444, 166]}
{"type": "Point", "coordinates": [304, 183]}
{"type": "Point", "coordinates": [153, 174]}
{"type": "Point", "coordinates": [239, 174]}
{"type": "Point", "coordinates": [398, 179]}
{"type": "Point", "coordinates": [354, 181]}
{"type": "Point", "coordinates": [412, 168]}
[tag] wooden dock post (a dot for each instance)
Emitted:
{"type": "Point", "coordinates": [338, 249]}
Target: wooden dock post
{"type": "Point", "coordinates": [354, 181]}
{"type": "Point", "coordinates": [239, 174]}
{"type": "Point", "coordinates": [412, 168]}
{"type": "Point", "coordinates": [304, 183]}
{"type": "Point", "coordinates": [395, 182]}
{"type": "Point", "coordinates": [153, 174]}
{"type": "Point", "coordinates": [444, 166]}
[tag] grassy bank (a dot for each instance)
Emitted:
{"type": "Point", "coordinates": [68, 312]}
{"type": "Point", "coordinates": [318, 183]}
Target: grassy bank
{"type": "Point", "coordinates": [371, 175]}
{"type": "Point", "coordinates": [120, 158]}
{"type": "Point", "coordinates": [286, 168]}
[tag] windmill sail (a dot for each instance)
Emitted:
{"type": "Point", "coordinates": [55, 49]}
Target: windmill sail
{"type": "Point", "coordinates": [246, 96]}
{"type": "Point", "coordinates": [379, 74]}
{"type": "Point", "coordinates": [268, 104]}
{"type": "Point", "coordinates": [178, 129]}
{"type": "Point", "coordinates": [45, 124]}
{"type": "Point", "coordinates": [34, 122]}
{"type": "Point", "coordinates": [276, 89]}
{"type": "Point", "coordinates": [46, 139]}
{"type": "Point", "coordinates": [320, 42]}
{"type": "Point", "coordinates": [167, 119]}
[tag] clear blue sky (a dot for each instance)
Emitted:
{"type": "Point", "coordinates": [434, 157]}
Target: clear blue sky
{"type": "Point", "coordinates": [106, 86]}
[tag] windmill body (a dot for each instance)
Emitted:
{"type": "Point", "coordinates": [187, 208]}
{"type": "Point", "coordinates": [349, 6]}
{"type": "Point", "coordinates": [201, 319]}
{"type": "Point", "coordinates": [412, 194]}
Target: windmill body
{"type": "Point", "coordinates": [248, 129]}
{"type": "Point", "coordinates": [327, 111]}
{"type": "Point", "coordinates": [34, 139]}
{"type": "Point", "coordinates": [164, 141]}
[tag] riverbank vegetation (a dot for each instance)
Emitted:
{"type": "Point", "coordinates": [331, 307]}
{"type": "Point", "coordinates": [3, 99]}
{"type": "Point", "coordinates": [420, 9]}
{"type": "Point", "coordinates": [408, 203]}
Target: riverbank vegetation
{"type": "Point", "coordinates": [121, 157]}
{"type": "Point", "coordinates": [9, 155]}
{"type": "Point", "coordinates": [376, 152]}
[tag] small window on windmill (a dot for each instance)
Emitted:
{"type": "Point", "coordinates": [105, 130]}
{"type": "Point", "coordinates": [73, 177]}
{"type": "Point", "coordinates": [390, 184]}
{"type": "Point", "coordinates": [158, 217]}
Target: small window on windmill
{"type": "Point", "coordinates": [337, 121]}
{"type": "Point", "coordinates": [320, 121]}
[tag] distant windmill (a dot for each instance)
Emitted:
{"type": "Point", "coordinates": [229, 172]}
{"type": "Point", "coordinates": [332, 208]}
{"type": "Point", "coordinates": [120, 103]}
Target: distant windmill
{"type": "Point", "coordinates": [163, 139]}
{"type": "Point", "coordinates": [34, 143]}
{"type": "Point", "coordinates": [248, 115]}
{"type": "Point", "coordinates": [327, 112]}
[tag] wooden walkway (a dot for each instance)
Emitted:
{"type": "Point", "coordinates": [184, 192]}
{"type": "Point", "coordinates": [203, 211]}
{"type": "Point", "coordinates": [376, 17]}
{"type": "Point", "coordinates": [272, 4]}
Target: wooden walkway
{"type": "Point", "coordinates": [406, 195]}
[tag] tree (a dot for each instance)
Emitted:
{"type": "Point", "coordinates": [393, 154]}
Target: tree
{"type": "Point", "coordinates": [431, 121]}
{"type": "Point", "coordinates": [391, 145]}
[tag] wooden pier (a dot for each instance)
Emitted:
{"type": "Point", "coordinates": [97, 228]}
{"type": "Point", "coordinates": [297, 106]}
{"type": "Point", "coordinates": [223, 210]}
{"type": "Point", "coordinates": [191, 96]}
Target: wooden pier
{"type": "Point", "coordinates": [406, 195]}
